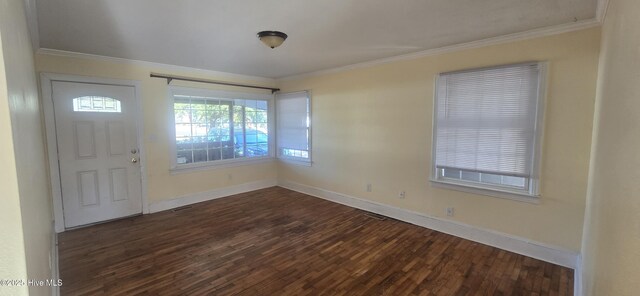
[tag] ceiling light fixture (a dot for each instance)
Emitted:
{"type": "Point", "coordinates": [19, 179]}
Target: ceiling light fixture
{"type": "Point", "coordinates": [272, 39]}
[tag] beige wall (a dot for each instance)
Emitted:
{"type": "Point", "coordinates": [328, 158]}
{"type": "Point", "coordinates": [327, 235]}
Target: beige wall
{"type": "Point", "coordinates": [26, 209]}
{"type": "Point", "coordinates": [611, 245]}
{"type": "Point", "coordinates": [162, 185]}
{"type": "Point", "coordinates": [374, 125]}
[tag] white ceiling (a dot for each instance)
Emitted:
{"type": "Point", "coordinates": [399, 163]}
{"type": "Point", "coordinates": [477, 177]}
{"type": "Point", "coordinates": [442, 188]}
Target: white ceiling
{"type": "Point", "coordinates": [221, 35]}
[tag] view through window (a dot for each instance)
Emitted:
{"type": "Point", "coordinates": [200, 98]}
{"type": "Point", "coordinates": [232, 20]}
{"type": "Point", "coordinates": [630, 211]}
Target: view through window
{"type": "Point", "coordinates": [209, 129]}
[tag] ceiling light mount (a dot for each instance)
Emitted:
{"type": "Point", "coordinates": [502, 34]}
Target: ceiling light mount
{"type": "Point", "coordinates": [272, 39]}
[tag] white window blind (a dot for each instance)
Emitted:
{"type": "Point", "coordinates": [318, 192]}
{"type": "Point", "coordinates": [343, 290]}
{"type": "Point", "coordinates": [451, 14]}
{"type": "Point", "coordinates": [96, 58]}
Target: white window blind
{"type": "Point", "coordinates": [486, 120]}
{"type": "Point", "coordinates": [293, 125]}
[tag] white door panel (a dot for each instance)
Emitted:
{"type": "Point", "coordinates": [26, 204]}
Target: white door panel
{"type": "Point", "coordinates": [98, 151]}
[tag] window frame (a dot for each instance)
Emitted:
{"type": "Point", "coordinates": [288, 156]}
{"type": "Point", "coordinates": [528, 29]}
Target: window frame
{"type": "Point", "coordinates": [532, 194]}
{"type": "Point", "coordinates": [293, 159]}
{"type": "Point", "coordinates": [223, 163]}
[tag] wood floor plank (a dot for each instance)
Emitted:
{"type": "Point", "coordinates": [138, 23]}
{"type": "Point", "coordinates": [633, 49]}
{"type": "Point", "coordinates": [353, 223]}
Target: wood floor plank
{"type": "Point", "coordinates": [279, 242]}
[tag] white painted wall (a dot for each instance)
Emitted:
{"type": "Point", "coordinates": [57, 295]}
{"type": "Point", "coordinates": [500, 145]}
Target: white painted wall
{"type": "Point", "coordinates": [26, 220]}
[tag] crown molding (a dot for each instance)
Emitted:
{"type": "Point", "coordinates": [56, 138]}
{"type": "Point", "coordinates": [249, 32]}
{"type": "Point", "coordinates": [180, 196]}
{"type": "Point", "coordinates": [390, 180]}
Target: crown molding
{"type": "Point", "coordinates": [159, 66]}
{"type": "Point", "coordinates": [536, 33]}
{"type": "Point", "coordinates": [31, 14]}
{"type": "Point", "coordinates": [601, 12]}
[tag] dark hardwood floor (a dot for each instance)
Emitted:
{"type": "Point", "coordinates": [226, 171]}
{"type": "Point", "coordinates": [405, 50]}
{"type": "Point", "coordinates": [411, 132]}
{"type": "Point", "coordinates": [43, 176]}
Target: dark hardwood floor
{"type": "Point", "coordinates": [279, 242]}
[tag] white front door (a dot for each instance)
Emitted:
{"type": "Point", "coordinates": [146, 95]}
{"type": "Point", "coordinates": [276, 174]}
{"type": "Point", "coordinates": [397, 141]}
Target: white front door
{"type": "Point", "coordinates": [98, 151]}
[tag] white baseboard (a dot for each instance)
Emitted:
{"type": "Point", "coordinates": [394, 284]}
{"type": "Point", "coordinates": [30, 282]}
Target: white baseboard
{"type": "Point", "coordinates": [185, 200]}
{"type": "Point", "coordinates": [523, 246]}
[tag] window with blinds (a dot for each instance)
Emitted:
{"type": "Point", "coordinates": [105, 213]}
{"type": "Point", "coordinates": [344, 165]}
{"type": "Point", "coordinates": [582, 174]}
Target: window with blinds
{"type": "Point", "coordinates": [293, 126]}
{"type": "Point", "coordinates": [486, 127]}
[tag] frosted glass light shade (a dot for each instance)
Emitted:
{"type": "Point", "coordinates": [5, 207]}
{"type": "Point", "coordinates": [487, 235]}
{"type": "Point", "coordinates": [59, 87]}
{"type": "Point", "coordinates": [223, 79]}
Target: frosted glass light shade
{"type": "Point", "coordinates": [272, 39]}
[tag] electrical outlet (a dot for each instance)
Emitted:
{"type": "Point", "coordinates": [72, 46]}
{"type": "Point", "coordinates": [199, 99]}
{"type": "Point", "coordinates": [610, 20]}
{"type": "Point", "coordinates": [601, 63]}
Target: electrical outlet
{"type": "Point", "coordinates": [401, 194]}
{"type": "Point", "coordinates": [368, 187]}
{"type": "Point", "coordinates": [450, 211]}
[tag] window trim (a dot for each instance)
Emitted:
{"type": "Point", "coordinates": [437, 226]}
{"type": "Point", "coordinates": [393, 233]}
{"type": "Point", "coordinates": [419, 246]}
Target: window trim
{"type": "Point", "coordinates": [225, 163]}
{"type": "Point", "coordinates": [533, 194]}
{"type": "Point", "coordinates": [297, 160]}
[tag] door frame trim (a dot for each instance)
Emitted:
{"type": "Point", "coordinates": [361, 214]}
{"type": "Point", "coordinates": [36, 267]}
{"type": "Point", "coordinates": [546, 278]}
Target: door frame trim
{"type": "Point", "coordinates": [46, 81]}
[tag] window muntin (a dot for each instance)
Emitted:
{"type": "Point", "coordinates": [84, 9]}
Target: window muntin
{"type": "Point", "coordinates": [294, 126]}
{"type": "Point", "coordinates": [218, 128]}
{"type": "Point", "coordinates": [486, 128]}
{"type": "Point", "coordinates": [96, 104]}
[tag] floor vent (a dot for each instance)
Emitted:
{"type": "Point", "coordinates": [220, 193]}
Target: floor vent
{"type": "Point", "coordinates": [375, 216]}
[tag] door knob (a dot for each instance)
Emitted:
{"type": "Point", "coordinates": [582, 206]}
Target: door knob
{"type": "Point", "coordinates": [134, 151]}
{"type": "Point", "coordinates": [134, 160]}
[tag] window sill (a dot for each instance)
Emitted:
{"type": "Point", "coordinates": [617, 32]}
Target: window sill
{"type": "Point", "coordinates": [515, 196]}
{"type": "Point", "coordinates": [295, 161]}
{"type": "Point", "coordinates": [206, 166]}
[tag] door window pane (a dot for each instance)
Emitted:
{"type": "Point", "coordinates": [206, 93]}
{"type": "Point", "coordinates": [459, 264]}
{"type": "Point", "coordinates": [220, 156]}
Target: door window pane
{"type": "Point", "coordinates": [96, 104]}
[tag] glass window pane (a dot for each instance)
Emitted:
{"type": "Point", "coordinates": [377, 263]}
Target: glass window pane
{"type": "Point", "coordinates": [184, 157]}
{"type": "Point", "coordinates": [251, 104]}
{"type": "Point", "coordinates": [214, 144]}
{"type": "Point", "coordinates": [222, 118]}
{"type": "Point", "coordinates": [250, 119]}
{"type": "Point", "coordinates": [491, 178]}
{"type": "Point", "coordinates": [182, 106]}
{"type": "Point", "coordinates": [514, 181]}
{"type": "Point", "coordinates": [199, 142]}
{"type": "Point", "coordinates": [210, 129]}
{"type": "Point", "coordinates": [182, 116]}
{"type": "Point", "coordinates": [228, 153]}
{"type": "Point", "coordinates": [238, 115]}
{"type": "Point", "coordinates": [239, 151]}
{"type": "Point", "coordinates": [183, 130]}
{"type": "Point", "coordinates": [251, 139]}
{"type": "Point", "coordinates": [263, 149]}
{"type": "Point", "coordinates": [262, 138]}
{"type": "Point", "coordinates": [260, 117]}
{"type": "Point", "coordinates": [213, 105]}
{"type": "Point", "coordinates": [256, 150]}
{"type": "Point", "coordinates": [199, 155]}
{"type": "Point", "coordinates": [84, 103]}
{"type": "Point", "coordinates": [199, 129]}
{"type": "Point", "coordinates": [262, 105]}
{"type": "Point", "coordinates": [471, 176]}
{"type": "Point", "coordinates": [451, 173]}
{"type": "Point", "coordinates": [96, 104]}
{"type": "Point", "coordinates": [184, 143]}
{"type": "Point", "coordinates": [262, 127]}
{"type": "Point", "coordinates": [214, 154]}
